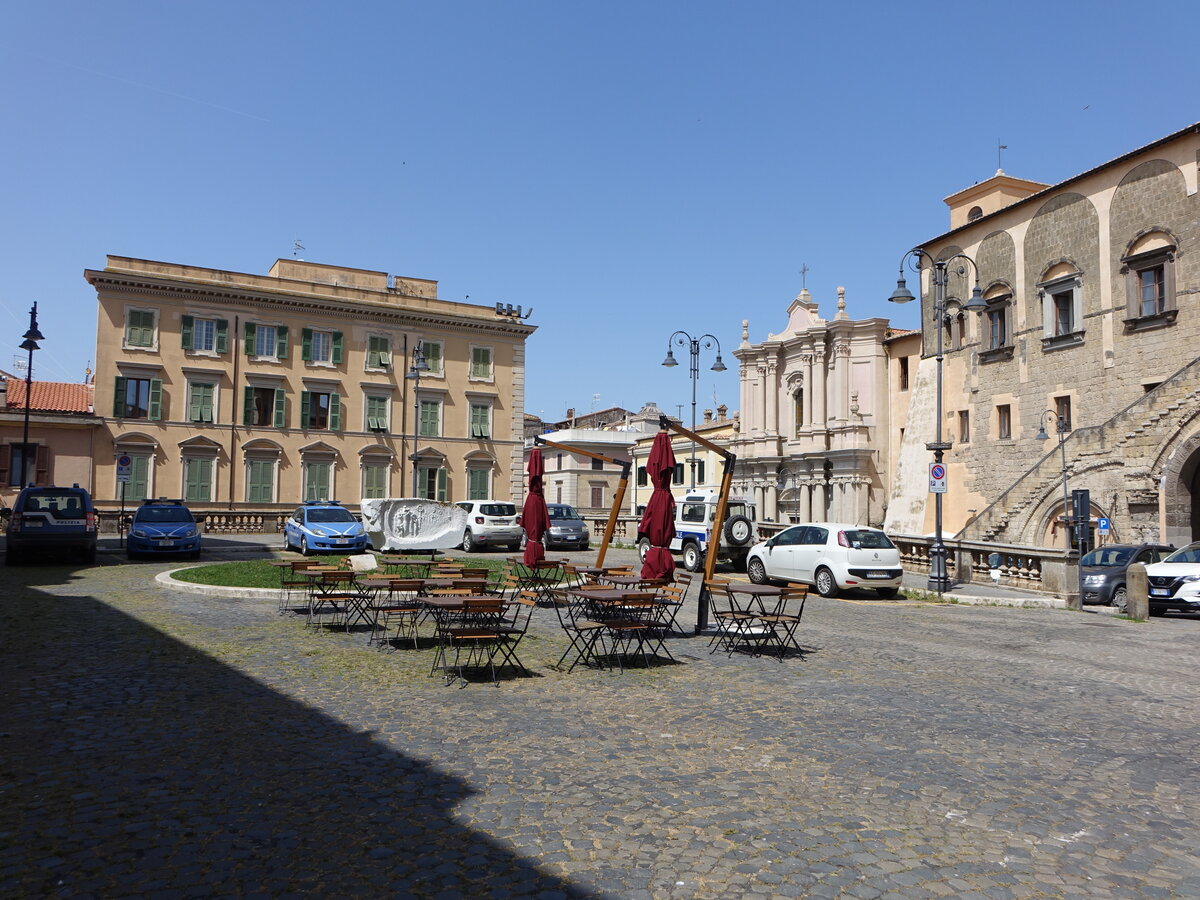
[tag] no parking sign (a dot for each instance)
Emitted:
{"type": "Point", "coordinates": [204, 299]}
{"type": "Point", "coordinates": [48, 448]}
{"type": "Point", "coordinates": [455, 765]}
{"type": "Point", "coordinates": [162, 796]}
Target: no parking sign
{"type": "Point", "coordinates": [937, 478]}
{"type": "Point", "coordinates": [124, 468]}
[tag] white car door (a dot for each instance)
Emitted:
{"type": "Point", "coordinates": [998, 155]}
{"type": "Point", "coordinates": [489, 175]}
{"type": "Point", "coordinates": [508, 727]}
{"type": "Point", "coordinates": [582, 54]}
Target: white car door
{"type": "Point", "coordinates": [809, 550]}
{"type": "Point", "coordinates": [780, 557]}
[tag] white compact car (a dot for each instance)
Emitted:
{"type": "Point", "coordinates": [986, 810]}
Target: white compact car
{"type": "Point", "coordinates": [1174, 583]}
{"type": "Point", "coordinates": [491, 523]}
{"type": "Point", "coordinates": [831, 556]}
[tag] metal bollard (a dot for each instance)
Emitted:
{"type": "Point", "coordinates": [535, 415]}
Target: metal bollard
{"type": "Point", "coordinates": [1138, 590]}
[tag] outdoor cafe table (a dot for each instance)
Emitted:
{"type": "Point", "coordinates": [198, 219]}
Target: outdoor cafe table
{"type": "Point", "coordinates": [756, 594]}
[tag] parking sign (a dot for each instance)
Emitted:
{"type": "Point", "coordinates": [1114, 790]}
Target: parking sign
{"type": "Point", "coordinates": [124, 468]}
{"type": "Point", "coordinates": [937, 478]}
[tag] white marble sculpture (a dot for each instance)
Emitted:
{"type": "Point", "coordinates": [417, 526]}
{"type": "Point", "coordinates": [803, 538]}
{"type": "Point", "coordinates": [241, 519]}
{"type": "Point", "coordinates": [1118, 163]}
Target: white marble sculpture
{"type": "Point", "coordinates": [409, 524]}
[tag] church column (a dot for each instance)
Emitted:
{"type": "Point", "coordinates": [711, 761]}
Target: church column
{"type": "Point", "coordinates": [839, 404]}
{"type": "Point", "coordinates": [772, 400]}
{"type": "Point", "coordinates": [806, 505]}
{"type": "Point", "coordinates": [820, 390]}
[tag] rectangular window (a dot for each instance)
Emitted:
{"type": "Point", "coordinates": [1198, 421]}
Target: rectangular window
{"type": "Point", "coordinates": [964, 426]}
{"type": "Point", "coordinates": [1152, 290]}
{"type": "Point", "coordinates": [24, 464]}
{"type": "Point", "coordinates": [559, 463]}
{"type": "Point", "coordinates": [597, 496]}
{"type": "Point", "coordinates": [137, 398]}
{"type": "Point", "coordinates": [904, 373]}
{"type": "Point", "coordinates": [321, 346]}
{"type": "Point", "coordinates": [375, 481]}
{"type": "Point", "coordinates": [430, 416]}
{"type": "Point", "coordinates": [1004, 422]}
{"type": "Point", "coordinates": [266, 341]}
{"type": "Point", "coordinates": [643, 477]}
{"type": "Point", "coordinates": [431, 483]}
{"type": "Point", "coordinates": [379, 354]}
{"type": "Point", "coordinates": [798, 406]}
{"type": "Point", "coordinates": [1064, 318]}
{"type": "Point", "coordinates": [264, 407]}
{"type": "Point", "coordinates": [997, 332]}
{"type": "Point", "coordinates": [139, 328]}
{"type": "Point", "coordinates": [597, 465]}
{"type": "Point", "coordinates": [377, 413]}
{"type": "Point", "coordinates": [1062, 409]}
{"type": "Point", "coordinates": [201, 398]}
{"type": "Point", "coordinates": [316, 481]}
{"type": "Point", "coordinates": [699, 471]}
{"type": "Point", "coordinates": [197, 479]}
{"type": "Point", "coordinates": [677, 476]}
{"type": "Point", "coordinates": [479, 484]}
{"type": "Point", "coordinates": [204, 335]}
{"type": "Point", "coordinates": [320, 410]}
{"type": "Point", "coordinates": [481, 362]}
{"type": "Point", "coordinates": [260, 480]}
{"type": "Point", "coordinates": [433, 356]}
{"type": "Point", "coordinates": [481, 420]}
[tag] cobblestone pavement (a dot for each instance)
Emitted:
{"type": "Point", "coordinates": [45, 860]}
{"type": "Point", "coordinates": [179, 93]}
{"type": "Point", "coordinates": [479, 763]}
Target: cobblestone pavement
{"type": "Point", "coordinates": [174, 745]}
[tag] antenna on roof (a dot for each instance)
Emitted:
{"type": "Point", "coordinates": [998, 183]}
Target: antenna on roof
{"type": "Point", "coordinates": [87, 373]}
{"type": "Point", "coordinates": [296, 248]}
{"type": "Point", "coordinates": [1000, 148]}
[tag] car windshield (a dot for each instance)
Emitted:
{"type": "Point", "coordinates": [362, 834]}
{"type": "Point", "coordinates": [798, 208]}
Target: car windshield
{"type": "Point", "coordinates": [498, 509]}
{"type": "Point", "coordinates": [563, 512]}
{"type": "Point", "coordinates": [1189, 554]}
{"type": "Point", "coordinates": [1108, 556]}
{"type": "Point", "coordinates": [869, 540]}
{"type": "Point", "coordinates": [164, 514]}
{"type": "Point", "coordinates": [330, 515]}
{"type": "Point", "coordinates": [59, 504]}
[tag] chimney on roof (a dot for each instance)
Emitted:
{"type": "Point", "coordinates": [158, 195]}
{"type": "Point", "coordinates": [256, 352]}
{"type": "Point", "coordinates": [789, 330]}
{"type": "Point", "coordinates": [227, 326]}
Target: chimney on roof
{"type": "Point", "coordinates": [708, 415]}
{"type": "Point", "coordinates": [722, 411]}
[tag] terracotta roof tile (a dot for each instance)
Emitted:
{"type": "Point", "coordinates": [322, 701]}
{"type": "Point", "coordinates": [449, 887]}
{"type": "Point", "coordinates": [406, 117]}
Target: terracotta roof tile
{"type": "Point", "coordinates": [51, 396]}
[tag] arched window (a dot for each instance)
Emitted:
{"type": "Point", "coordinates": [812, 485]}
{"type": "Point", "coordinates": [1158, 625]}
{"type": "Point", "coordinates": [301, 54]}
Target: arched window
{"type": "Point", "coordinates": [1149, 269]}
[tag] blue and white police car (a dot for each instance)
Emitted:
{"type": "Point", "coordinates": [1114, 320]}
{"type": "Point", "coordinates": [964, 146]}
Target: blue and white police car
{"type": "Point", "coordinates": [324, 525]}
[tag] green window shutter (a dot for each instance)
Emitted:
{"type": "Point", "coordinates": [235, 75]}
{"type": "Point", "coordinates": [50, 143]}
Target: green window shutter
{"type": "Point", "coordinates": [119, 396]}
{"type": "Point", "coordinates": [433, 358]}
{"type": "Point", "coordinates": [477, 484]}
{"type": "Point", "coordinates": [280, 408]}
{"type": "Point", "coordinates": [195, 406]}
{"type": "Point", "coordinates": [281, 342]}
{"type": "Point", "coordinates": [185, 331]}
{"type": "Point", "coordinates": [335, 412]}
{"type": "Point", "coordinates": [206, 403]}
{"type": "Point", "coordinates": [337, 347]}
{"type": "Point", "coordinates": [481, 362]}
{"type": "Point", "coordinates": [258, 484]}
{"type": "Point", "coordinates": [155, 399]}
{"type": "Point", "coordinates": [138, 487]}
{"type": "Point", "coordinates": [306, 344]}
{"type": "Point", "coordinates": [198, 485]}
{"type": "Point", "coordinates": [248, 406]}
{"type": "Point", "coordinates": [479, 421]}
{"type": "Point", "coordinates": [222, 335]}
{"type": "Point", "coordinates": [305, 407]}
{"type": "Point", "coordinates": [248, 334]}
{"type": "Point", "coordinates": [441, 484]}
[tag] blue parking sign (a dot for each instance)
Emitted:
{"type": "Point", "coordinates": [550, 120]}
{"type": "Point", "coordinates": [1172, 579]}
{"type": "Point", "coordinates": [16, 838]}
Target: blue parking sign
{"type": "Point", "coordinates": [1102, 526]}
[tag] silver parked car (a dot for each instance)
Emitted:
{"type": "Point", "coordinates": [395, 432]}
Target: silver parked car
{"type": "Point", "coordinates": [567, 528]}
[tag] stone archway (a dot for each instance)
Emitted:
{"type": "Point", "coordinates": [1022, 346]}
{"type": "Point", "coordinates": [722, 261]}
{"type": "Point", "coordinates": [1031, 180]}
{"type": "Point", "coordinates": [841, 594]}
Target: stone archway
{"type": "Point", "coordinates": [1180, 496]}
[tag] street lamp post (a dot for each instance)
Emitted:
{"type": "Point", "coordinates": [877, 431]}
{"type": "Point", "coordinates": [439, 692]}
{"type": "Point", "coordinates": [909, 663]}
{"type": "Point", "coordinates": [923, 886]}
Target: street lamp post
{"type": "Point", "coordinates": [32, 336]}
{"type": "Point", "coordinates": [939, 580]}
{"type": "Point", "coordinates": [683, 339]}
{"type": "Point", "coordinates": [416, 367]}
{"type": "Point", "coordinates": [1061, 426]}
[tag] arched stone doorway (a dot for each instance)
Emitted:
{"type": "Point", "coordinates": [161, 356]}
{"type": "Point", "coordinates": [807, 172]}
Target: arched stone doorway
{"type": "Point", "coordinates": [1181, 493]}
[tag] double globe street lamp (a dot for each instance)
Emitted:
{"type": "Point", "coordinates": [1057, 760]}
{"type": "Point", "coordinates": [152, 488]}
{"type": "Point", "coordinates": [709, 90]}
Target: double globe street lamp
{"type": "Point", "coordinates": [683, 339]}
{"type": "Point", "coordinates": [416, 367]}
{"type": "Point", "coordinates": [938, 579]}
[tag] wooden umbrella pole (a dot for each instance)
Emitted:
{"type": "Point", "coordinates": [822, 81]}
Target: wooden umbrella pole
{"type": "Point", "coordinates": [618, 498]}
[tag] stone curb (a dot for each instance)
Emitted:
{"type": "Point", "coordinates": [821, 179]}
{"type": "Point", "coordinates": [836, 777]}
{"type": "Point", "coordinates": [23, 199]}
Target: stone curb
{"type": "Point", "coordinates": [1018, 602]}
{"type": "Point", "coordinates": [214, 590]}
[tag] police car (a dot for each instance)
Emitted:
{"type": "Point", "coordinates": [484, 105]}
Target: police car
{"type": "Point", "coordinates": [324, 525]}
{"type": "Point", "coordinates": [163, 526]}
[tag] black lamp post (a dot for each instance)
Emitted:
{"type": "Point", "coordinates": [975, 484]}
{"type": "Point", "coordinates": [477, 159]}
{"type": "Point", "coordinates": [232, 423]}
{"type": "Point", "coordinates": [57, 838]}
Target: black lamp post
{"type": "Point", "coordinates": [415, 369]}
{"type": "Point", "coordinates": [683, 339]}
{"type": "Point", "coordinates": [1063, 430]}
{"type": "Point", "coordinates": [32, 336]}
{"type": "Point", "coordinates": [938, 579]}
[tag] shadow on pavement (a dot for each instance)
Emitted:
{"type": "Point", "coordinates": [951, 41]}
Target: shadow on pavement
{"type": "Point", "coordinates": [132, 763]}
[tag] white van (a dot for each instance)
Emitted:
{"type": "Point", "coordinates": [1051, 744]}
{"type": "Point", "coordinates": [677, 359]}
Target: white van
{"type": "Point", "coordinates": [694, 516]}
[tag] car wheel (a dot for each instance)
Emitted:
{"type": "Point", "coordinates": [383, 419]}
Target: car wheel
{"type": "Point", "coordinates": [287, 544]}
{"type": "Point", "coordinates": [756, 570]}
{"type": "Point", "coordinates": [1120, 599]}
{"type": "Point", "coordinates": [693, 559]}
{"type": "Point", "coordinates": [586, 547]}
{"type": "Point", "coordinates": [643, 548]}
{"type": "Point", "coordinates": [468, 544]}
{"type": "Point", "coordinates": [303, 546]}
{"type": "Point", "coordinates": [825, 584]}
{"type": "Point", "coordinates": [887, 593]}
{"type": "Point", "coordinates": [738, 530]}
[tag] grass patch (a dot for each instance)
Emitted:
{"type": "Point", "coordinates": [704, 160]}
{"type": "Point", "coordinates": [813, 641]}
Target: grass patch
{"type": "Point", "coordinates": [259, 573]}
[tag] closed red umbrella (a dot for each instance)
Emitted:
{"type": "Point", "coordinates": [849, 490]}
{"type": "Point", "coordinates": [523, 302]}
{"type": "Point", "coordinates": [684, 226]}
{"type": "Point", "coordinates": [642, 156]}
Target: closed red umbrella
{"type": "Point", "coordinates": [658, 521]}
{"type": "Point", "coordinates": [534, 516]}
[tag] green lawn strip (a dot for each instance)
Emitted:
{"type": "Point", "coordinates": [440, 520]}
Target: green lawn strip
{"type": "Point", "coordinates": [259, 573]}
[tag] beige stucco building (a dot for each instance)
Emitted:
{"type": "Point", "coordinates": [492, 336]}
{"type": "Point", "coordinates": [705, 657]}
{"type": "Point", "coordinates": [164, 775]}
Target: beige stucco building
{"type": "Point", "coordinates": [255, 392]}
{"type": "Point", "coordinates": [813, 441]}
{"type": "Point", "coordinates": [63, 433]}
{"type": "Point", "coordinates": [1091, 321]}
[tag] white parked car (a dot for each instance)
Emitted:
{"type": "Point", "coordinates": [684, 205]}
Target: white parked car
{"type": "Point", "coordinates": [1174, 583]}
{"type": "Point", "coordinates": [831, 556]}
{"type": "Point", "coordinates": [491, 523]}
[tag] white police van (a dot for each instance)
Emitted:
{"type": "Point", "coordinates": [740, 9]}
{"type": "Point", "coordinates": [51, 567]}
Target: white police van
{"type": "Point", "coordinates": [694, 516]}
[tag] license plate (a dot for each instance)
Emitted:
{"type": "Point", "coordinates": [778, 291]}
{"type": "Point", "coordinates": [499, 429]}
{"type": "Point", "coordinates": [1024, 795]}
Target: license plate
{"type": "Point", "coordinates": [343, 540]}
{"type": "Point", "coordinates": [32, 523]}
{"type": "Point", "coordinates": [1159, 592]}
{"type": "Point", "coordinates": [165, 543]}
{"type": "Point", "coordinates": [878, 575]}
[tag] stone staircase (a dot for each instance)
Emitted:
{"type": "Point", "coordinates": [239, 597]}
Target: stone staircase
{"type": "Point", "coordinates": [1128, 441]}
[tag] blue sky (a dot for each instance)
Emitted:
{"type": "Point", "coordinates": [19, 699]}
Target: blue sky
{"type": "Point", "coordinates": [626, 169]}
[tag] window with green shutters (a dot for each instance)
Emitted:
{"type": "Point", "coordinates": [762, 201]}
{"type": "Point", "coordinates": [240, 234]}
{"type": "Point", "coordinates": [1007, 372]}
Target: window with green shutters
{"type": "Point", "coordinates": [429, 423]}
{"type": "Point", "coordinates": [260, 480]}
{"type": "Point", "coordinates": [316, 480]}
{"type": "Point", "coordinates": [481, 420]}
{"type": "Point", "coordinates": [433, 356]}
{"type": "Point", "coordinates": [197, 479]}
{"type": "Point", "coordinates": [266, 341]}
{"type": "Point", "coordinates": [379, 353]}
{"type": "Point", "coordinates": [139, 327]}
{"type": "Point", "coordinates": [138, 486]}
{"type": "Point", "coordinates": [377, 413]}
{"type": "Point", "coordinates": [200, 403]}
{"type": "Point", "coordinates": [137, 398]}
{"type": "Point", "coordinates": [320, 410]}
{"type": "Point", "coordinates": [375, 480]}
{"type": "Point", "coordinates": [204, 335]}
{"type": "Point", "coordinates": [264, 407]}
{"type": "Point", "coordinates": [479, 484]}
{"type": "Point", "coordinates": [481, 362]}
{"type": "Point", "coordinates": [321, 346]}
{"type": "Point", "coordinates": [431, 483]}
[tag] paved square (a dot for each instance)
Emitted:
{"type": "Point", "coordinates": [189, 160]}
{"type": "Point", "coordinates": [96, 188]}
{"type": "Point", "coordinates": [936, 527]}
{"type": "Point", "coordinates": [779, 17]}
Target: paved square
{"type": "Point", "coordinates": [175, 745]}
